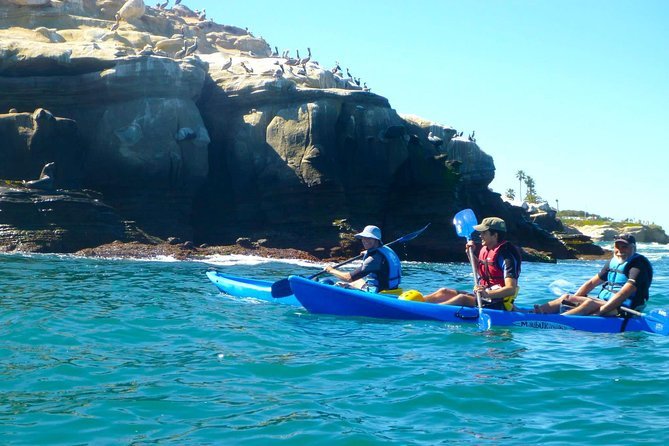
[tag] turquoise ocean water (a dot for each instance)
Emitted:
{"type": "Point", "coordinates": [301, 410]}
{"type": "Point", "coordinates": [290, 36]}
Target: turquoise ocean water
{"type": "Point", "coordinates": [148, 352]}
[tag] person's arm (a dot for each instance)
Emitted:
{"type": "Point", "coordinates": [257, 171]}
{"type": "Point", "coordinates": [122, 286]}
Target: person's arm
{"type": "Point", "coordinates": [509, 289]}
{"type": "Point", "coordinates": [637, 278]}
{"type": "Point", "coordinates": [341, 275]}
{"type": "Point", "coordinates": [617, 300]}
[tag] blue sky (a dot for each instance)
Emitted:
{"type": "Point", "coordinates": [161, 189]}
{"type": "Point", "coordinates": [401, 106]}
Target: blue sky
{"type": "Point", "coordinates": [574, 93]}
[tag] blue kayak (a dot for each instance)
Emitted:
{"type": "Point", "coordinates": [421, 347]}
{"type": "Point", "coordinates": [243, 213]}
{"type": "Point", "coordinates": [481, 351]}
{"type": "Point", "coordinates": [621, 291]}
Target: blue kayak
{"type": "Point", "coordinates": [328, 299]}
{"type": "Point", "coordinates": [243, 287]}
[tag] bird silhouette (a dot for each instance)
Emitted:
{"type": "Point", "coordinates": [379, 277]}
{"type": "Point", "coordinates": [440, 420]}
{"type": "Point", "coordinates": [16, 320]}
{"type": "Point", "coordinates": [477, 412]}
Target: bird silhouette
{"type": "Point", "coordinates": [191, 49]}
{"type": "Point", "coordinates": [306, 59]}
{"type": "Point", "coordinates": [249, 70]}
{"type": "Point", "coordinates": [226, 66]}
{"type": "Point", "coordinates": [435, 140]}
{"type": "Point", "coordinates": [118, 22]}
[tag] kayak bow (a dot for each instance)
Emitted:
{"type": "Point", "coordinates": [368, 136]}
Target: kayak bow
{"type": "Point", "coordinates": [243, 287]}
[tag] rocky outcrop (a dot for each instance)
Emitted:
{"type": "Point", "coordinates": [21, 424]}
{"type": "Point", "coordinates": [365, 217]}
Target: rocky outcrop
{"type": "Point", "coordinates": [642, 233]}
{"type": "Point", "coordinates": [193, 130]}
{"type": "Point", "coordinates": [31, 140]}
{"type": "Point", "coordinates": [56, 221]}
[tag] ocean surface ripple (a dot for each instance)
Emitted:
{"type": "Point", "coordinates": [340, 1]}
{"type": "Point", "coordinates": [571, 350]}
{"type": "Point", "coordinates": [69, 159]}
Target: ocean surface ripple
{"type": "Point", "coordinates": [148, 352]}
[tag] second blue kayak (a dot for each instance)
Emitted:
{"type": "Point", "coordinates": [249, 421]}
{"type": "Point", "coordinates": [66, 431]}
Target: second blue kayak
{"type": "Point", "coordinates": [243, 287]}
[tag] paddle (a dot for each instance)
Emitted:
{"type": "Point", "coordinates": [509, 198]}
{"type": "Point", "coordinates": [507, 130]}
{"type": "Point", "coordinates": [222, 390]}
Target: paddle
{"type": "Point", "coordinates": [464, 222]}
{"type": "Point", "coordinates": [658, 320]}
{"type": "Point", "coordinates": [282, 288]}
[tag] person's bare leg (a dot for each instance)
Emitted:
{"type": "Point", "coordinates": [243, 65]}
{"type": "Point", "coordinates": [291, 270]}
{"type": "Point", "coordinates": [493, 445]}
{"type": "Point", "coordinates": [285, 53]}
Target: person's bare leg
{"type": "Point", "coordinates": [466, 300]}
{"type": "Point", "coordinates": [586, 308]}
{"type": "Point", "coordinates": [441, 295]}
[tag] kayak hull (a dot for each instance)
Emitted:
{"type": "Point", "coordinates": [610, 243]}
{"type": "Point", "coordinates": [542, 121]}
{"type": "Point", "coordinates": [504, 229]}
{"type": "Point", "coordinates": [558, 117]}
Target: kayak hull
{"type": "Point", "coordinates": [243, 287]}
{"type": "Point", "coordinates": [327, 299]}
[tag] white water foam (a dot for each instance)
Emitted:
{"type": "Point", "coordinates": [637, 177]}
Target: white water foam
{"type": "Point", "coordinates": [249, 260]}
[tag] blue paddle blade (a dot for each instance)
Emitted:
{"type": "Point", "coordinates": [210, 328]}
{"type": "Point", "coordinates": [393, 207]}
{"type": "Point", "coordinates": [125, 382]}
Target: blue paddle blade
{"type": "Point", "coordinates": [562, 286]}
{"type": "Point", "coordinates": [658, 321]}
{"type": "Point", "coordinates": [484, 322]}
{"type": "Point", "coordinates": [464, 222]}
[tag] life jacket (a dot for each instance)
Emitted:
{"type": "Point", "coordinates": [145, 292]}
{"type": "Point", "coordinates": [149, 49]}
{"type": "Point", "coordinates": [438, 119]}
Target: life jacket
{"type": "Point", "coordinates": [615, 279]}
{"type": "Point", "coordinates": [491, 274]}
{"type": "Point", "coordinates": [390, 275]}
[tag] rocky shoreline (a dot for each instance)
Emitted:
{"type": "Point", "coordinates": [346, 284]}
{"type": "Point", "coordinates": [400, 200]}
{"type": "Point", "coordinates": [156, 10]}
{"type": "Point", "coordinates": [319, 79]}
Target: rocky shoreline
{"type": "Point", "coordinates": [187, 251]}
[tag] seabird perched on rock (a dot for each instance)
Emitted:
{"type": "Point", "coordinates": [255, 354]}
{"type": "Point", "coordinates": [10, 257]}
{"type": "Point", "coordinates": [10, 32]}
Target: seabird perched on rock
{"type": "Point", "coordinates": [118, 22]}
{"type": "Point", "coordinates": [365, 87]}
{"type": "Point", "coordinates": [357, 81]}
{"type": "Point", "coordinates": [306, 59]}
{"type": "Point", "coordinates": [471, 137]}
{"type": "Point", "coordinates": [249, 70]}
{"type": "Point", "coordinates": [202, 15]}
{"type": "Point", "coordinates": [302, 71]}
{"type": "Point", "coordinates": [435, 140]}
{"type": "Point", "coordinates": [226, 66]}
{"type": "Point", "coordinates": [348, 73]}
{"type": "Point", "coordinates": [163, 5]}
{"type": "Point", "coordinates": [292, 62]}
{"type": "Point", "coordinates": [191, 49]}
{"type": "Point", "coordinates": [180, 54]}
{"type": "Point", "coordinates": [276, 52]}
{"type": "Point", "coordinates": [146, 51]}
{"type": "Point", "coordinates": [176, 2]}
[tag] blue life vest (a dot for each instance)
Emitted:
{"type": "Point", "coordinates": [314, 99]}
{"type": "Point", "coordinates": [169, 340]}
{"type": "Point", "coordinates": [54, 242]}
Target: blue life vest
{"type": "Point", "coordinates": [391, 272]}
{"type": "Point", "coordinates": [615, 280]}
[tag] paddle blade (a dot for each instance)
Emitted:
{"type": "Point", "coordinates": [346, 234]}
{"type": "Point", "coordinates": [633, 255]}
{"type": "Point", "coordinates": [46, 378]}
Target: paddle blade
{"type": "Point", "coordinates": [484, 322]}
{"type": "Point", "coordinates": [658, 321]}
{"type": "Point", "coordinates": [464, 222]}
{"type": "Point", "coordinates": [561, 286]}
{"type": "Point", "coordinates": [281, 288]}
{"type": "Point", "coordinates": [408, 237]}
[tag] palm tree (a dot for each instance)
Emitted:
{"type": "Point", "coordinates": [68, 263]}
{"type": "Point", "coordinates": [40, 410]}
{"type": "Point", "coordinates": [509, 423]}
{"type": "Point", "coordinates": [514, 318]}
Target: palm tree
{"type": "Point", "coordinates": [520, 176]}
{"type": "Point", "coordinates": [531, 195]}
{"type": "Point", "coordinates": [510, 194]}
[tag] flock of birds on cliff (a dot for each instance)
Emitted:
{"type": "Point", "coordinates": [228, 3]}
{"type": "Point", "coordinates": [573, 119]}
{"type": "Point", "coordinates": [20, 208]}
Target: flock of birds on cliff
{"type": "Point", "coordinates": [296, 66]}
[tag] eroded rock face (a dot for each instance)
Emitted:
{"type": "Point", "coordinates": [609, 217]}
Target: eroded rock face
{"type": "Point", "coordinates": [227, 141]}
{"type": "Point", "coordinates": [127, 112]}
{"type": "Point", "coordinates": [31, 140]}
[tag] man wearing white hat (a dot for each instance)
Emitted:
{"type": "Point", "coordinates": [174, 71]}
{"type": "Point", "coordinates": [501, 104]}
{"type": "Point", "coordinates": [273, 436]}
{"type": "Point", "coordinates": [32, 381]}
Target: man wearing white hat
{"type": "Point", "coordinates": [381, 269]}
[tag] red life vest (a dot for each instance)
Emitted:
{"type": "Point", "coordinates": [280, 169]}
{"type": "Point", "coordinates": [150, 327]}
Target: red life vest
{"type": "Point", "coordinates": [489, 271]}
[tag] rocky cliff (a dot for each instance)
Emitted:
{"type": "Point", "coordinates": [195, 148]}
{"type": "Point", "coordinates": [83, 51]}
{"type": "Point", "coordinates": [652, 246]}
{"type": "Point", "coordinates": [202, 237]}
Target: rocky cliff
{"type": "Point", "coordinates": [197, 130]}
